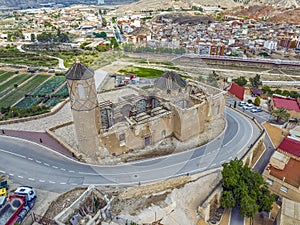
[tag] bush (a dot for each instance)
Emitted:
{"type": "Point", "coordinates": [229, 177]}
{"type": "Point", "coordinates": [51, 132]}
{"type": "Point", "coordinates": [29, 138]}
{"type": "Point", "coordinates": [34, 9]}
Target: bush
{"type": "Point", "coordinates": [257, 101]}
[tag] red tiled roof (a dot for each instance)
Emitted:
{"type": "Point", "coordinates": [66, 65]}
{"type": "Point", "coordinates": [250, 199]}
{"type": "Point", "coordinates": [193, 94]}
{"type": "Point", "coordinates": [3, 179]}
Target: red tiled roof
{"type": "Point", "coordinates": [291, 146]}
{"type": "Point", "coordinates": [237, 90]}
{"type": "Point", "coordinates": [287, 103]}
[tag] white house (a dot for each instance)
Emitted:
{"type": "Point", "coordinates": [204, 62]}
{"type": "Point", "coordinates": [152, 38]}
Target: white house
{"type": "Point", "coordinates": [271, 45]}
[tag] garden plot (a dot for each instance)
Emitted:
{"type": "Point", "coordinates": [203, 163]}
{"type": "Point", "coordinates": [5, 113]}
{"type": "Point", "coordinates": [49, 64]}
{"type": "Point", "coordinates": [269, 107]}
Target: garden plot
{"type": "Point", "coordinates": [22, 90]}
{"type": "Point", "coordinates": [52, 102]}
{"type": "Point", "coordinates": [63, 92]}
{"type": "Point", "coordinates": [5, 75]}
{"type": "Point", "coordinates": [28, 102]}
{"type": "Point", "coordinates": [48, 87]}
{"type": "Point", "coordinates": [10, 84]}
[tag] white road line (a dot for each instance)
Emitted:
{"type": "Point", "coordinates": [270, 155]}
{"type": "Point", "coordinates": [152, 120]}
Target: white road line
{"type": "Point", "coordinates": [63, 183]}
{"type": "Point", "coordinates": [73, 184]}
{"type": "Point", "coordinates": [55, 167]}
{"type": "Point", "coordinates": [42, 181]}
{"type": "Point", "coordinates": [20, 177]}
{"type": "Point", "coordinates": [62, 169]}
{"type": "Point", "coordinates": [213, 164]}
{"type": "Point", "coordinates": [222, 162]}
{"type": "Point", "coordinates": [51, 182]}
{"type": "Point", "coordinates": [38, 161]}
{"type": "Point", "coordinates": [2, 171]}
{"type": "Point", "coordinates": [12, 153]}
{"type": "Point", "coordinates": [30, 159]}
{"type": "Point", "coordinates": [71, 171]}
{"type": "Point", "coordinates": [11, 174]}
{"type": "Point", "coordinates": [32, 179]}
{"type": "Point", "coordinates": [91, 173]}
{"type": "Point", "coordinates": [46, 164]}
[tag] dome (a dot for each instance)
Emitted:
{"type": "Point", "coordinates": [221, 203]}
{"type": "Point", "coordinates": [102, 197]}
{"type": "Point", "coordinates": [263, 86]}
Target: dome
{"type": "Point", "coordinates": [169, 81]}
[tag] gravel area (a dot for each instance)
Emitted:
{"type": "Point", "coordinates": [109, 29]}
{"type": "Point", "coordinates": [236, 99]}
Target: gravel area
{"type": "Point", "coordinates": [62, 116]}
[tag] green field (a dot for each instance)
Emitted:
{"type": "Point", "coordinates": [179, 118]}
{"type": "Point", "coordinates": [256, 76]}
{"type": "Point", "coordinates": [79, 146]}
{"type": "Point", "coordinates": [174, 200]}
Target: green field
{"type": "Point", "coordinates": [21, 91]}
{"type": "Point", "coordinates": [12, 55]}
{"type": "Point", "coordinates": [9, 85]}
{"type": "Point", "coordinates": [63, 92]}
{"type": "Point", "coordinates": [2, 71]}
{"type": "Point", "coordinates": [5, 76]}
{"type": "Point", "coordinates": [28, 102]}
{"type": "Point", "coordinates": [52, 102]}
{"type": "Point", "coordinates": [142, 72]}
{"type": "Point", "coordinates": [49, 86]}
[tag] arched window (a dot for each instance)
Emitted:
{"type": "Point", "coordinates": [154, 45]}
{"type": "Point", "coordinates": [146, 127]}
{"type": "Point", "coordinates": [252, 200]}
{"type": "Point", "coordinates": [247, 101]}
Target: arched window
{"type": "Point", "coordinates": [141, 106]}
{"type": "Point", "coordinates": [81, 91]}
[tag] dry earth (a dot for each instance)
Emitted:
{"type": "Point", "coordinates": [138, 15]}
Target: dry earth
{"type": "Point", "coordinates": [174, 201]}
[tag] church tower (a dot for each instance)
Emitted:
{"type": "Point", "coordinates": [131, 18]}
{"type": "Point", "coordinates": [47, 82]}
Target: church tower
{"type": "Point", "coordinates": [84, 107]}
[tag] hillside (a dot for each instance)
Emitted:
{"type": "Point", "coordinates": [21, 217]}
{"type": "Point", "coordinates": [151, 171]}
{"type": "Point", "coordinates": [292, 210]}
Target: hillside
{"type": "Point", "coordinates": [177, 4]}
{"type": "Point", "coordinates": [36, 3]}
{"type": "Point", "coordinates": [272, 14]}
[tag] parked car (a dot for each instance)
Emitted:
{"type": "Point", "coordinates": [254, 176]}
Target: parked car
{"type": "Point", "coordinates": [248, 106]}
{"type": "Point", "coordinates": [242, 103]}
{"type": "Point", "coordinates": [256, 109]}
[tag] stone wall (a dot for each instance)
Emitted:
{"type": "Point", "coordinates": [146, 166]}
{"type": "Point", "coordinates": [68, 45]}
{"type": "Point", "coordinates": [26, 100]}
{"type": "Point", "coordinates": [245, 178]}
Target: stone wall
{"type": "Point", "coordinates": [25, 119]}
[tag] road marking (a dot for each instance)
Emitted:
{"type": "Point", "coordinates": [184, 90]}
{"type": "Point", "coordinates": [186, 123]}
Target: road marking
{"type": "Point", "coordinates": [42, 181]}
{"type": "Point", "coordinates": [32, 179]}
{"type": "Point", "coordinates": [51, 182]}
{"type": "Point", "coordinates": [222, 162]}
{"type": "Point", "coordinates": [38, 161]}
{"type": "Point", "coordinates": [12, 153]}
{"type": "Point", "coordinates": [63, 183]}
{"type": "Point", "coordinates": [11, 174]}
{"type": "Point", "coordinates": [46, 164]}
{"type": "Point", "coordinates": [73, 184]}
{"type": "Point", "coordinates": [62, 169]}
{"type": "Point", "coordinates": [91, 173]}
{"type": "Point", "coordinates": [30, 159]}
{"type": "Point", "coordinates": [55, 167]}
{"type": "Point", "coordinates": [20, 177]}
{"type": "Point", "coordinates": [213, 164]}
{"type": "Point", "coordinates": [71, 171]}
{"type": "Point", "coordinates": [2, 171]}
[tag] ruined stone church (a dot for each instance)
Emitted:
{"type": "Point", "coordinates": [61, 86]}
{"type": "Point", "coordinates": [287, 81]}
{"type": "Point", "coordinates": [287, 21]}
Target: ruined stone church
{"type": "Point", "coordinates": [133, 117]}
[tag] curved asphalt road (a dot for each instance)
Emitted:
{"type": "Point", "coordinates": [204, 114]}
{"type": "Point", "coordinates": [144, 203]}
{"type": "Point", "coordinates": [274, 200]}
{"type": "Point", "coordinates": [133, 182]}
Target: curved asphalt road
{"type": "Point", "coordinates": [31, 164]}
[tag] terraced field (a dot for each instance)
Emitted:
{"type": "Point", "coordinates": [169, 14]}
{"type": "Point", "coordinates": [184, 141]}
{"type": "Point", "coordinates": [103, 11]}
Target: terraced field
{"type": "Point", "coordinates": [5, 75]}
{"type": "Point", "coordinates": [9, 85]}
{"type": "Point", "coordinates": [28, 102]}
{"type": "Point", "coordinates": [52, 102]}
{"type": "Point", "coordinates": [19, 92]}
{"type": "Point", "coordinates": [63, 92]}
{"type": "Point", "coordinates": [49, 86]}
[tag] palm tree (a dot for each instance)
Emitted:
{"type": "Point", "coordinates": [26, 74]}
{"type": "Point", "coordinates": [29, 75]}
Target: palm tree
{"type": "Point", "coordinates": [281, 114]}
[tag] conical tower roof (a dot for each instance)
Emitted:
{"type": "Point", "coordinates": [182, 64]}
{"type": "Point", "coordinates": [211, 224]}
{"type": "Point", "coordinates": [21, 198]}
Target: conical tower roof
{"type": "Point", "coordinates": [79, 71]}
{"type": "Point", "coordinates": [169, 80]}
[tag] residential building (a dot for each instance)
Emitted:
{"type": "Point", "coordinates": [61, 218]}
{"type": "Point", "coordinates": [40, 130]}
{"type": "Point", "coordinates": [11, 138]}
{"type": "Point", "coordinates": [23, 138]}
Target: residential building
{"type": "Point", "coordinates": [283, 172]}
{"type": "Point", "coordinates": [290, 104]}
{"type": "Point", "coordinates": [289, 213]}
